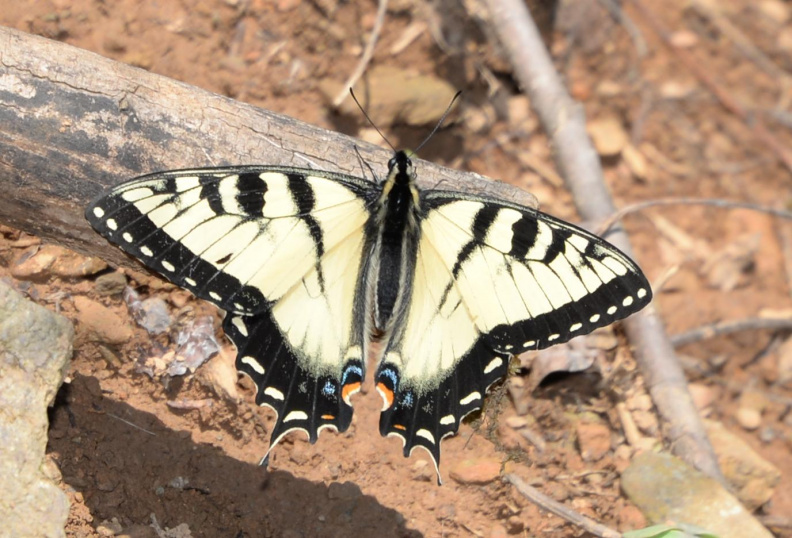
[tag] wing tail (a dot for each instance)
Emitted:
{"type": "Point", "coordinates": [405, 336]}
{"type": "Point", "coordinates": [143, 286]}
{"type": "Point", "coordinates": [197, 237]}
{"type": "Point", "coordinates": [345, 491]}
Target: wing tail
{"type": "Point", "coordinates": [423, 418]}
{"type": "Point", "coordinates": [301, 399]}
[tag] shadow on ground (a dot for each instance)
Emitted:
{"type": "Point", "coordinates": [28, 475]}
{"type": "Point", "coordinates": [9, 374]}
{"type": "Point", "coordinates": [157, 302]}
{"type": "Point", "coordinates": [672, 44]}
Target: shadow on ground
{"type": "Point", "coordinates": [125, 472]}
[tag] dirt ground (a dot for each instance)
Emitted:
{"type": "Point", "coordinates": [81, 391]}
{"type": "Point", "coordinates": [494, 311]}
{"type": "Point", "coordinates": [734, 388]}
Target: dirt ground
{"type": "Point", "coordinates": [132, 446]}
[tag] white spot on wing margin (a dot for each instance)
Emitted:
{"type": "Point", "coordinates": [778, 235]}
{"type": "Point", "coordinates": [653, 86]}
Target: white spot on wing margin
{"type": "Point", "coordinates": [252, 362]}
{"type": "Point", "coordinates": [296, 415]}
{"type": "Point", "coordinates": [274, 393]}
{"type": "Point", "coordinates": [242, 328]}
{"type": "Point", "coordinates": [494, 363]}
{"type": "Point", "coordinates": [426, 434]}
{"type": "Point", "coordinates": [470, 398]}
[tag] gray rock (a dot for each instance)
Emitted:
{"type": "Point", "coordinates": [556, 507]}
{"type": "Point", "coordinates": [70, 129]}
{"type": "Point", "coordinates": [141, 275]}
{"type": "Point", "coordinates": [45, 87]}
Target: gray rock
{"type": "Point", "coordinates": [35, 347]}
{"type": "Point", "coordinates": [111, 283]}
{"type": "Point", "coordinates": [666, 489]}
{"type": "Point", "coordinates": [753, 478]}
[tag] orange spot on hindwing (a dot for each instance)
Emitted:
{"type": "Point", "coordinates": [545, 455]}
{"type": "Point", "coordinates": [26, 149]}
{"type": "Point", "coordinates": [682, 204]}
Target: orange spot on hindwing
{"type": "Point", "coordinates": [387, 395]}
{"type": "Point", "coordinates": [349, 389]}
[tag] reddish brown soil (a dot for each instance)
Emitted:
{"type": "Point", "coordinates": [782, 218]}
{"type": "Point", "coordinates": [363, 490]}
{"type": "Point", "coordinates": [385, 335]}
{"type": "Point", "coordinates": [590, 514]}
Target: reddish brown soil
{"type": "Point", "coordinates": [125, 454]}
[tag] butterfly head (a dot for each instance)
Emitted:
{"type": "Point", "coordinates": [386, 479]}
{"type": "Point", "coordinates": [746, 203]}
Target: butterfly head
{"type": "Point", "coordinates": [399, 188]}
{"type": "Point", "coordinates": [400, 168]}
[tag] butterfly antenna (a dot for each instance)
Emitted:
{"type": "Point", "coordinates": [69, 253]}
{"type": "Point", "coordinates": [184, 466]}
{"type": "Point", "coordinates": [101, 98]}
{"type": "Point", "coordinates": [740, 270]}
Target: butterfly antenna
{"type": "Point", "coordinates": [440, 122]}
{"type": "Point", "coordinates": [365, 114]}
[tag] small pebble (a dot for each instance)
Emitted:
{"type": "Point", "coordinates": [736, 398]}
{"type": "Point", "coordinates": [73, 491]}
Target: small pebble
{"type": "Point", "coordinates": [111, 283]}
{"type": "Point", "coordinates": [749, 419]}
{"type": "Point", "coordinates": [684, 39]}
{"type": "Point", "coordinates": [594, 440]}
{"type": "Point", "coordinates": [608, 135]}
{"type": "Point", "coordinates": [476, 471]}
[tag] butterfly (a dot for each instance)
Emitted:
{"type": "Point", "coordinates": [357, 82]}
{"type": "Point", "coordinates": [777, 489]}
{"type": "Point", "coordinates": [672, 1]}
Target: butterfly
{"type": "Point", "coordinates": [317, 271]}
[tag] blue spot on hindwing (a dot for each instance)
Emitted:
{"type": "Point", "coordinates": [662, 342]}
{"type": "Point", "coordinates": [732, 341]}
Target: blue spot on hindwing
{"type": "Point", "coordinates": [351, 369]}
{"type": "Point", "coordinates": [392, 376]}
{"type": "Point", "coordinates": [329, 388]}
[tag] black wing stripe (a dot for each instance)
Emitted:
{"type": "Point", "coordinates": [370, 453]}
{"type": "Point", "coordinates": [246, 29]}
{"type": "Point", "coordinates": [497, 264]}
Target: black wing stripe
{"type": "Point", "coordinates": [250, 197]}
{"type": "Point", "coordinates": [524, 234]}
{"type": "Point", "coordinates": [481, 225]}
{"type": "Point", "coordinates": [210, 193]}
{"type": "Point", "coordinates": [557, 245]}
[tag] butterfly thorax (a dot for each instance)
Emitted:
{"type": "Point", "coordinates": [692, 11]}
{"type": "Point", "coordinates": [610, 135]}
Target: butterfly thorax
{"type": "Point", "coordinates": [396, 234]}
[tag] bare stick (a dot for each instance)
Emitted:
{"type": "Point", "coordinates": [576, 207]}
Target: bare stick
{"type": "Point", "coordinates": [564, 121]}
{"type": "Point", "coordinates": [722, 94]}
{"type": "Point", "coordinates": [616, 11]}
{"type": "Point", "coordinates": [144, 430]}
{"type": "Point", "coordinates": [727, 327]}
{"type": "Point", "coordinates": [554, 507]}
{"type": "Point", "coordinates": [785, 238]}
{"type": "Point", "coordinates": [715, 202]}
{"type": "Point", "coordinates": [382, 9]}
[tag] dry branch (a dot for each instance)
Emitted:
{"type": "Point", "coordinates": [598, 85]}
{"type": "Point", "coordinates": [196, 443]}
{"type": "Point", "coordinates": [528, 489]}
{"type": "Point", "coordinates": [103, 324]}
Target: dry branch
{"type": "Point", "coordinates": [728, 327]}
{"type": "Point", "coordinates": [713, 202]}
{"type": "Point", "coordinates": [555, 507]}
{"type": "Point", "coordinates": [564, 121]}
{"type": "Point", "coordinates": [368, 54]}
{"type": "Point", "coordinates": [73, 123]}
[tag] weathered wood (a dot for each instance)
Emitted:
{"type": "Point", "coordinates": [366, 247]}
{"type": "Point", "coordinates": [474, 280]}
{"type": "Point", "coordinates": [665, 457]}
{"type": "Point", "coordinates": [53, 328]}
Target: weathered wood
{"type": "Point", "coordinates": [73, 123]}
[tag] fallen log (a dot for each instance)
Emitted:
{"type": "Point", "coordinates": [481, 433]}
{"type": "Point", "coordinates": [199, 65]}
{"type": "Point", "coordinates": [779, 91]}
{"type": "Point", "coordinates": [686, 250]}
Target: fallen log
{"type": "Point", "coordinates": [73, 123]}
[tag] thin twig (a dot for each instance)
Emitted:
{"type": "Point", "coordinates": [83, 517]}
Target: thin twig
{"type": "Point", "coordinates": [554, 507]}
{"type": "Point", "coordinates": [715, 202]}
{"type": "Point", "coordinates": [631, 432]}
{"type": "Point", "coordinates": [660, 283]}
{"type": "Point", "coordinates": [382, 8]}
{"type": "Point", "coordinates": [130, 423]}
{"type": "Point", "coordinates": [532, 162]}
{"type": "Point", "coordinates": [727, 327]}
{"type": "Point", "coordinates": [718, 90]}
{"type": "Point", "coordinates": [622, 18]}
{"type": "Point", "coordinates": [785, 239]}
{"type": "Point", "coordinates": [564, 121]}
{"type": "Point", "coordinates": [410, 34]}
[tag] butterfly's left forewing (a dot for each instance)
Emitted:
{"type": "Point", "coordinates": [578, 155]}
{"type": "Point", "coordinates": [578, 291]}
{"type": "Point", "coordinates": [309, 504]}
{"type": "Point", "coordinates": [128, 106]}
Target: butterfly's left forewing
{"type": "Point", "coordinates": [280, 250]}
{"type": "Point", "coordinates": [492, 279]}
